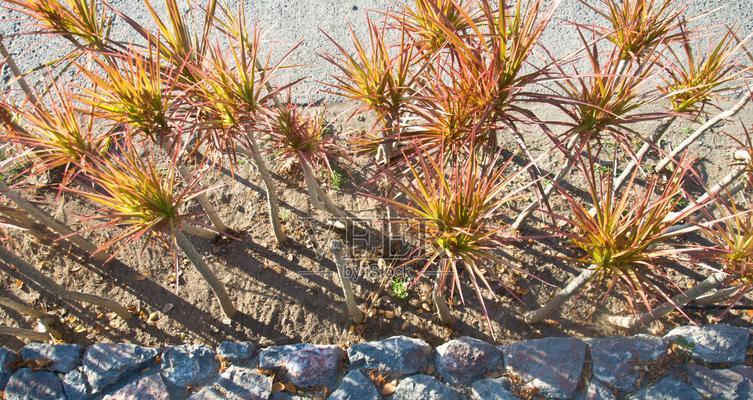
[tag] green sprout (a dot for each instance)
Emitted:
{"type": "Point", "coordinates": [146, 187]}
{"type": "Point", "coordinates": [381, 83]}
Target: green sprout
{"type": "Point", "coordinates": [399, 288]}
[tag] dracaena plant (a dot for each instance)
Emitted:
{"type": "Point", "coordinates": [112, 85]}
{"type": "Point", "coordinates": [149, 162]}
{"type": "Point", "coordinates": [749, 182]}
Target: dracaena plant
{"type": "Point", "coordinates": [57, 134]}
{"type": "Point", "coordinates": [145, 202]}
{"type": "Point", "coordinates": [233, 96]}
{"type": "Point", "coordinates": [693, 82]}
{"type": "Point", "coordinates": [497, 48]}
{"type": "Point", "coordinates": [132, 90]}
{"type": "Point", "coordinates": [628, 240]}
{"type": "Point", "coordinates": [380, 78]}
{"type": "Point", "coordinates": [82, 20]}
{"type": "Point", "coordinates": [303, 138]}
{"type": "Point", "coordinates": [431, 22]}
{"type": "Point", "coordinates": [733, 236]}
{"type": "Point", "coordinates": [608, 99]}
{"type": "Point", "coordinates": [453, 207]}
{"type": "Point", "coordinates": [179, 45]}
{"type": "Point", "coordinates": [638, 27]}
{"type": "Point", "coordinates": [451, 116]}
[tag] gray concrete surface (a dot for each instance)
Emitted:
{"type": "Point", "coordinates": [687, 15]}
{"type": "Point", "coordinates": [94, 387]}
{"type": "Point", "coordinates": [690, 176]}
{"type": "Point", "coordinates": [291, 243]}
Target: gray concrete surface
{"type": "Point", "coordinates": [288, 22]}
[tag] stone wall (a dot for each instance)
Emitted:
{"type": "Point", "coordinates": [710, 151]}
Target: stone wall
{"type": "Point", "coordinates": [690, 362]}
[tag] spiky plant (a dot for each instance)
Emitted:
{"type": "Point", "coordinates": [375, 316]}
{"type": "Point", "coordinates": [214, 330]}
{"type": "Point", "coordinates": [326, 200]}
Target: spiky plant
{"type": "Point", "coordinates": [497, 50]}
{"type": "Point", "coordinates": [58, 136]}
{"type": "Point", "coordinates": [74, 19]}
{"type": "Point", "coordinates": [431, 22]}
{"type": "Point", "coordinates": [692, 82]}
{"type": "Point", "coordinates": [638, 27]}
{"type": "Point", "coordinates": [179, 45]}
{"type": "Point", "coordinates": [605, 102]}
{"type": "Point", "coordinates": [232, 98]}
{"type": "Point", "coordinates": [131, 90]}
{"type": "Point", "coordinates": [733, 235]}
{"type": "Point", "coordinates": [298, 138]}
{"type": "Point", "coordinates": [452, 116]}
{"type": "Point", "coordinates": [379, 79]}
{"type": "Point", "coordinates": [629, 241]}
{"type": "Point", "coordinates": [146, 203]}
{"type": "Point", "coordinates": [454, 208]}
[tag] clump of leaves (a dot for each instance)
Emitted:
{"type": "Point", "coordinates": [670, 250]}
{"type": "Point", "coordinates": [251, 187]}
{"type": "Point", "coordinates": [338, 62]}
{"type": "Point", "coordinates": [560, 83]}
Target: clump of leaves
{"type": "Point", "coordinates": [82, 19]}
{"type": "Point", "coordinates": [134, 91]}
{"type": "Point", "coordinates": [431, 22]}
{"type": "Point", "coordinates": [733, 236]}
{"type": "Point", "coordinates": [638, 27]}
{"type": "Point", "coordinates": [630, 238]}
{"type": "Point", "coordinates": [138, 196]}
{"type": "Point", "coordinates": [609, 100]}
{"type": "Point", "coordinates": [377, 76]}
{"type": "Point", "coordinates": [693, 82]}
{"type": "Point", "coordinates": [454, 206]}
{"type": "Point", "coordinates": [58, 135]}
{"type": "Point", "coordinates": [300, 137]}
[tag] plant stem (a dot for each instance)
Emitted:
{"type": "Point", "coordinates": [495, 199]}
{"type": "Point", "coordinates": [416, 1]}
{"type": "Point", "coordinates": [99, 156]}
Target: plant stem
{"type": "Point", "coordinates": [716, 296]}
{"type": "Point", "coordinates": [219, 225]}
{"type": "Point", "coordinates": [680, 300]}
{"type": "Point", "coordinates": [17, 73]}
{"type": "Point", "coordinates": [273, 207]}
{"type": "Point", "coordinates": [319, 197]}
{"type": "Point", "coordinates": [199, 232]}
{"type": "Point", "coordinates": [658, 132]}
{"type": "Point", "coordinates": [49, 221]}
{"type": "Point", "coordinates": [713, 191]}
{"type": "Point", "coordinates": [547, 190]}
{"type": "Point", "coordinates": [24, 333]}
{"type": "Point", "coordinates": [701, 130]}
{"type": "Point", "coordinates": [350, 300]}
{"type": "Point", "coordinates": [560, 298]}
{"type": "Point", "coordinates": [214, 283]}
{"type": "Point", "coordinates": [443, 310]}
{"type": "Point", "coordinates": [50, 285]}
{"type": "Point", "coordinates": [23, 308]}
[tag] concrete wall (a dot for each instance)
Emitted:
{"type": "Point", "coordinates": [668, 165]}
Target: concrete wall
{"type": "Point", "coordinates": [288, 22]}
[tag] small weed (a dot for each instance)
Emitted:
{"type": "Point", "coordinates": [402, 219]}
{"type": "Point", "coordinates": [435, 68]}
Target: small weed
{"type": "Point", "coordinates": [285, 215]}
{"type": "Point", "coordinates": [399, 288]}
{"type": "Point", "coordinates": [687, 130]}
{"type": "Point", "coordinates": [338, 180]}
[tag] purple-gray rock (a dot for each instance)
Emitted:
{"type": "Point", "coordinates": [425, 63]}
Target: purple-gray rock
{"type": "Point", "coordinates": [26, 384]}
{"type": "Point", "coordinates": [304, 365]}
{"type": "Point", "coordinates": [491, 389]}
{"type": "Point", "coordinates": [355, 386]}
{"type": "Point", "coordinates": [149, 386]}
{"type": "Point", "coordinates": [105, 364]}
{"type": "Point", "coordinates": [397, 356]}
{"type": "Point", "coordinates": [75, 386]}
{"type": "Point", "coordinates": [744, 370]}
{"type": "Point", "coordinates": [719, 343]}
{"type": "Point", "coordinates": [669, 388]}
{"type": "Point", "coordinates": [595, 391]}
{"type": "Point", "coordinates": [189, 365]}
{"type": "Point", "coordinates": [613, 359]}
{"type": "Point", "coordinates": [552, 365]}
{"type": "Point", "coordinates": [425, 387]}
{"type": "Point", "coordinates": [721, 384]}
{"type": "Point", "coordinates": [7, 358]}
{"type": "Point", "coordinates": [207, 393]}
{"type": "Point", "coordinates": [64, 357]}
{"type": "Point", "coordinates": [238, 353]}
{"type": "Point", "coordinates": [464, 360]}
{"type": "Point", "coordinates": [238, 383]}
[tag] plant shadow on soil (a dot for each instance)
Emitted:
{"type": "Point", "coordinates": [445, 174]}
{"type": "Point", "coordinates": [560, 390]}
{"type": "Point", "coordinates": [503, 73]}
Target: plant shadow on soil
{"type": "Point", "coordinates": [292, 293]}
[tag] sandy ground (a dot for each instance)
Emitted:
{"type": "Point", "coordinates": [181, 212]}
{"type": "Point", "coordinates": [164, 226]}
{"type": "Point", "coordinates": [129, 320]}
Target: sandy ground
{"type": "Point", "coordinates": [292, 294]}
